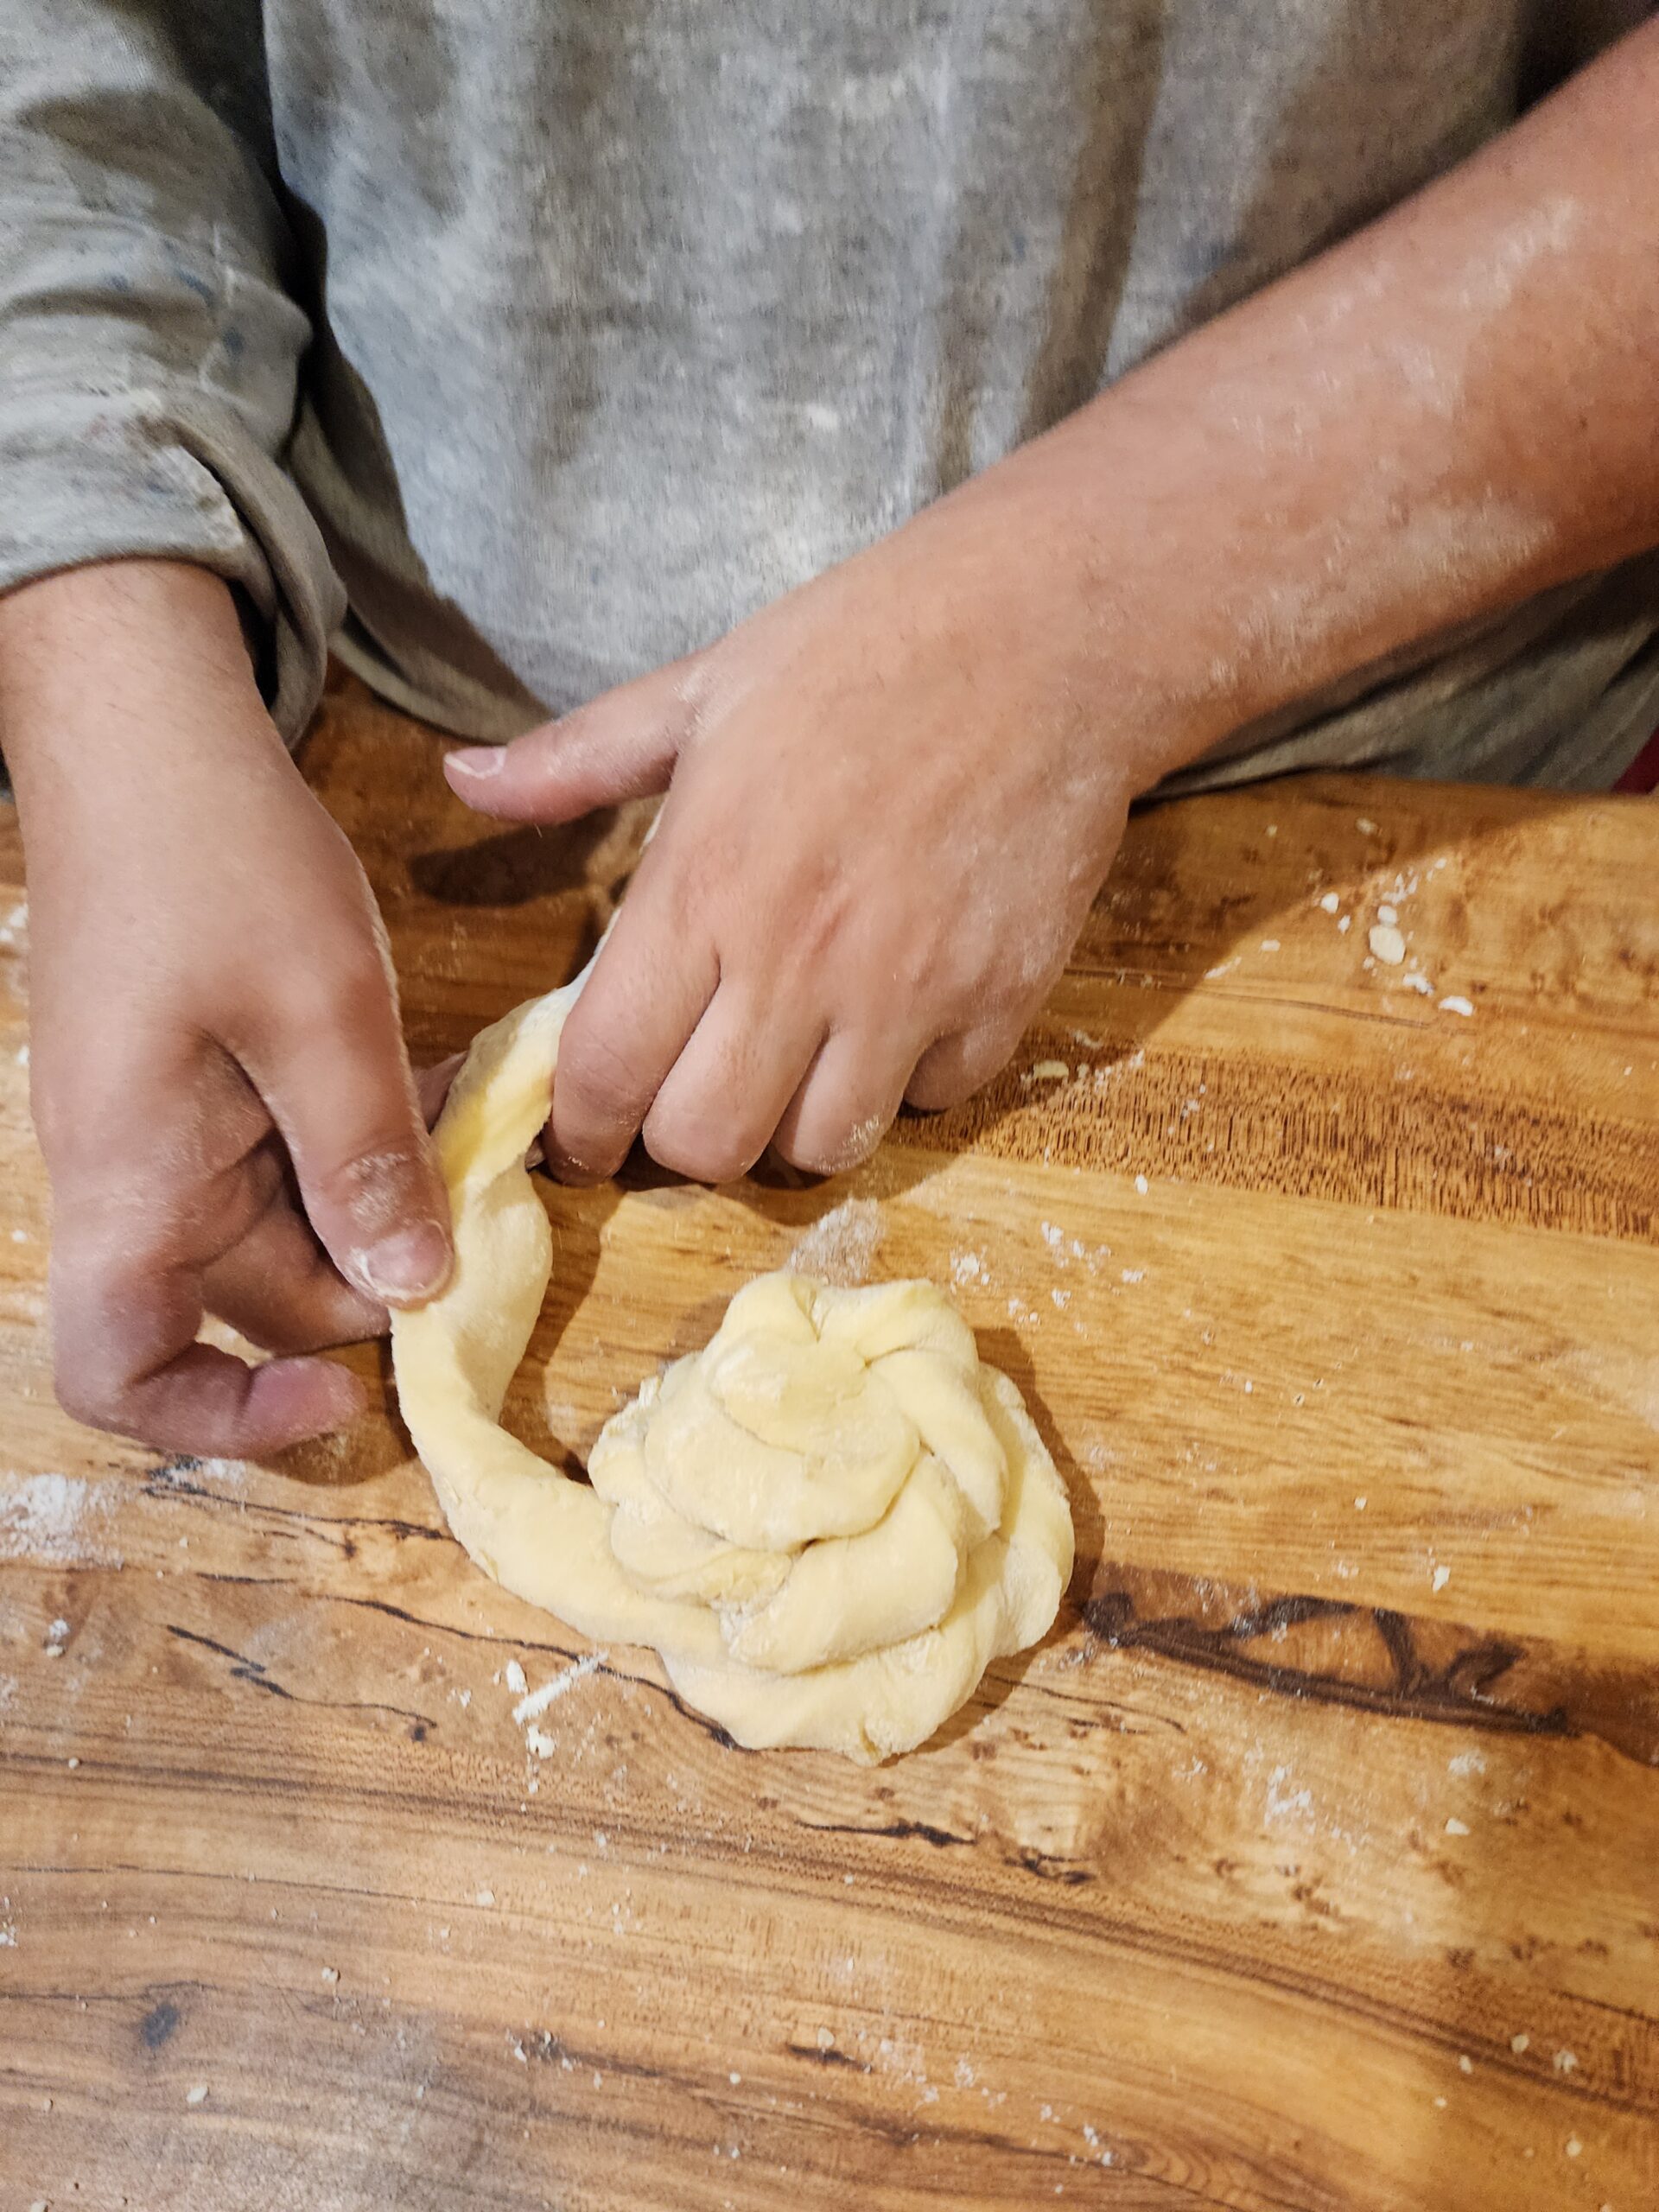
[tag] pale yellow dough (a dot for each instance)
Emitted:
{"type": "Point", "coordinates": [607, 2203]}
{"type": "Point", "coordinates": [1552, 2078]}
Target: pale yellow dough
{"type": "Point", "coordinates": [829, 1521]}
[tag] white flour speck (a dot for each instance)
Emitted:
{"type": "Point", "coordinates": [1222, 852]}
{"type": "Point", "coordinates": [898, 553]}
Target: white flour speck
{"type": "Point", "coordinates": [840, 1247]}
{"type": "Point", "coordinates": [57, 1519]}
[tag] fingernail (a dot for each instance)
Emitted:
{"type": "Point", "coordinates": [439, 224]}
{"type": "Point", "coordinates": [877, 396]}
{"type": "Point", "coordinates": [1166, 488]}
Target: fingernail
{"type": "Point", "coordinates": [477, 760]}
{"type": "Point", "coordinates": [411, 1264]}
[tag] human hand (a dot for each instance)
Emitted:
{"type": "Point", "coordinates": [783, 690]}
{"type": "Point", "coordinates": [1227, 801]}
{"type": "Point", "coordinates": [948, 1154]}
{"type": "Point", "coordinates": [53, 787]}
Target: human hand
{"type": "Point", "coordinates": [217, 1074]}
{"type": "Point", "coordinates": [891, 798]}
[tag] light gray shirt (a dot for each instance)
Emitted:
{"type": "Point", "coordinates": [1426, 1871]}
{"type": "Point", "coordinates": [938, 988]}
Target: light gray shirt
{"type": "Point", "coordinates": [523, 345]}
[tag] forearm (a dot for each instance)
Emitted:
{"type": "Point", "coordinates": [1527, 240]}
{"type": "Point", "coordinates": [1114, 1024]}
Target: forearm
{"type": "Point", "coordinates": [1453, 410]}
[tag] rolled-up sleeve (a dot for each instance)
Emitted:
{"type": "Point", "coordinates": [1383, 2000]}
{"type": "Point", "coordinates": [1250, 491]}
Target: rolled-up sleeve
{"type": "Point", "coordinates": [149, 341]}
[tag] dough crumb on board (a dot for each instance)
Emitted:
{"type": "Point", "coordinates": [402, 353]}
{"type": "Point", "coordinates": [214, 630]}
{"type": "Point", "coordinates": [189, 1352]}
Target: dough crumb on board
{"type": "Point", "coordinates": [532, 1706]}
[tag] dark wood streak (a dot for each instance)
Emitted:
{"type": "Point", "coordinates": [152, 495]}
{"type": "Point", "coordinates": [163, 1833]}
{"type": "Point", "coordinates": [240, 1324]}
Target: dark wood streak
{"type": "Point", "coordinates": [1456, 1693]}
{"type": "Point", "coordinates": [942, 1839]}
{"type": "Point", "coordinates": [163, 1483]}
{"type": "Point", "coordinates": [259, 1676]}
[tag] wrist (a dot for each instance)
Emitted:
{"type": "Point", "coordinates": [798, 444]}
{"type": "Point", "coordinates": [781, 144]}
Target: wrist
{"type": "Point", "coordinates": [1094, 556]}
{"type": "Point", "coordinates": [117, 667]}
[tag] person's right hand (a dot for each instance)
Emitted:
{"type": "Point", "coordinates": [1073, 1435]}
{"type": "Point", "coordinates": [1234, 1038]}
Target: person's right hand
{"type": "Point", "coordinates": [218, 1073]}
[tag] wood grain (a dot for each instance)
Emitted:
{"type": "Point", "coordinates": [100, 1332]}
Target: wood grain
{"type": "Point", "coordinates": [1310, 1863]}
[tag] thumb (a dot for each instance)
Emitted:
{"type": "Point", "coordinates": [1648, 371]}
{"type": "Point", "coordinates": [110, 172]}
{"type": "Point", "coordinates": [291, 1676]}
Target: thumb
{"type": "Point", "coordinates": [338, 1085]}
{"type": "Point", "coordinates": [622, 745]}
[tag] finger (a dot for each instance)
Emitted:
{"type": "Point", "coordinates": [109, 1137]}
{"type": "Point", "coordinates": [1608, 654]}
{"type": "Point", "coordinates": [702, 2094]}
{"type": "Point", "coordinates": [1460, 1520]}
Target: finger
{"type": "Point", "coordinates": [333, 1072]}
{"type": "Point", "coordinates": [279, 1287]}
{"type": "Point", "coordinates": [647, 993]}
{"type": "Point", "coordinates": [124, 1329]}
{"type": "Point", "coordinates": [622, 745]}
{"type": "Point", "coordinates": [715, 1113]}
{"type": "Point", "coordinates": [845, 1103]}
{"type": "Point", "coordinates": [957, 1066]}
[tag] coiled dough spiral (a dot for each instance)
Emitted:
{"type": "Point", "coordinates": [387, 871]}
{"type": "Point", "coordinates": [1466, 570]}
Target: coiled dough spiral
{"type": "Point", "coordinates": [827, 1523]}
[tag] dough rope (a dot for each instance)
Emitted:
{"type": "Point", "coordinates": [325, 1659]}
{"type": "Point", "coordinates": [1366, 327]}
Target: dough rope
{"type": "Point", "coordinates": [827, 1523]}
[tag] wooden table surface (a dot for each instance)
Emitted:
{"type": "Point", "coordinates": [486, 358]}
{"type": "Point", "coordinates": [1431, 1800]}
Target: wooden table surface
{"type": "Point", "coordinates": [1310, 1863]}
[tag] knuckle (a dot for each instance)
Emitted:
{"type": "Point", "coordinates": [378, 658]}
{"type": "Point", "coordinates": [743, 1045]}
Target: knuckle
{"type": "Point", "coordinates": [348, 989]}
{"type": "Point", "coordinates": [598, 1081]}
{"type": "Point", "coordinates": [85, 1394]}
{"type": "Point", "coordinates": [687, 1145]}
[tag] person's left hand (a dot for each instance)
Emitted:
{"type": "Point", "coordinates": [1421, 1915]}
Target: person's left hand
{"type": "Point", "coordinates": [891, 801]}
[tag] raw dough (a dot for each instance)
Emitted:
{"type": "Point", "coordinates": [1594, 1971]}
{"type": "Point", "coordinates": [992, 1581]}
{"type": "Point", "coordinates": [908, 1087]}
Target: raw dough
{"type": "Point", "coordinates": [829, 1521]}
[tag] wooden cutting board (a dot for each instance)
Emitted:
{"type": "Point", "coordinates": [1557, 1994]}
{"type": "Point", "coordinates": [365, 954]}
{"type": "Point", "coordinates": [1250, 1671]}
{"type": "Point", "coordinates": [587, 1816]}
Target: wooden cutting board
{"type": "Point", "coordinates": [1310, 1863]}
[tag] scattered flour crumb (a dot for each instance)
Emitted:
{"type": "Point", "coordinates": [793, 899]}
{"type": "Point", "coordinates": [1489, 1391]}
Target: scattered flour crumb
{"type": "Point", "coordinates": [515, 1678]}
{"type": "Point", "coordinates": [1269, 944]}
{"type": "Point", "coordinates": [485, 1898]}
{"type": "Point", "coordinates": [1455, 1827]}
{"type": "Point", "coordinates": [1387, 916]}
{"type": "Point", "coordinates": [1135, 1275]}
{"type": "Point", "coordinates": [198, 2095]}
{"type": "Point", "coordinates": [1365, 829]}
{"type": "Point", "coordinates": [1441, 1577]}
{"type": "Point", "coordinates": [840, 1247]}
{"type": "Point", "coordinates": [1566, 2062]}
{"type": "Point", "coordinates": [1387, 945]}
{"type": "Point", "coordinates": [1141, 1184]}
{"type": "Point", "coordinates": [1456, 1004]}
{"type": "Point", "coordinates": [1331, 902]}
{"type": "Point", "coordinates": [1050, 1071]}
{"type": "Point", "coordinates": [532, 1707]}
{"type": "Point", "coordinates": [1519, 2044]}
{"type": "Point", "coordinates": [1345, 923]}
{"type": "Point", "coordinates": [1421, 983]}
